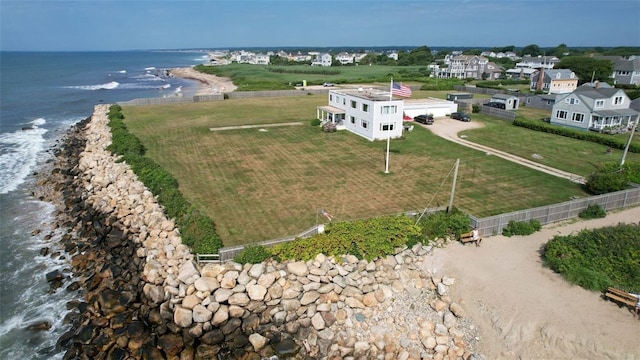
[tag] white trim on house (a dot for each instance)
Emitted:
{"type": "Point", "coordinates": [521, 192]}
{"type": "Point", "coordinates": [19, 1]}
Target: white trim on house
{"type": "Point", "coordinates": [370, 113]}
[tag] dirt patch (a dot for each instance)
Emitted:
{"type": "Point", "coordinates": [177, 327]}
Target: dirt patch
{"type": "Point", "coordinates": [526, 311]}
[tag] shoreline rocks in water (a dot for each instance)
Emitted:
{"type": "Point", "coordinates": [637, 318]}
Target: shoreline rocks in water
{"type": "Point", "coordinates": [145, 297]}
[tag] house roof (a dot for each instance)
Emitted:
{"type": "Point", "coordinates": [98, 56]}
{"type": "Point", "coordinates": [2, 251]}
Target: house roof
{"type": "Point", "coordinates": [502, 96]}
{"type": "Point", "coordinates": [622, 64]}
{"type": "Point", "coordinates": [525, 71]}
{"type": "Point", "coordinates": [593, 93]}
{"type": "Point", "coordinates": [617, 112]}
{"type": "Point", "coordinates": [565, 74]}
{"type": "Point", "coordinates": [635, 104]}
{"type": "Point", "coordinates": [331, 109]}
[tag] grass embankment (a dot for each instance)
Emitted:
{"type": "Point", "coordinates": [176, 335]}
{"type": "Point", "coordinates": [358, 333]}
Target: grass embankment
{"type": "Point", "coordinates": [575, 156]}
{"type": "Point", "coordinates": [258, 185]}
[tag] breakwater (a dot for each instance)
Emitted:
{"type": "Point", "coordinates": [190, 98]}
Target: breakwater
{"type": "Point", "coordinates": [145, 297]}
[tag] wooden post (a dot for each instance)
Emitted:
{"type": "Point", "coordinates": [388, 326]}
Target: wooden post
{"type": "Point", "coordinates": [453, 186]}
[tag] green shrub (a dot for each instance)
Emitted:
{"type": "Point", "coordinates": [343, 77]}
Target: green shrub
{"type": "Point", "coordinates": [252, 254]}
{"type": "Point", "coordinates": [599, 258]}
{"type": "Point", "coordinates": [442, 224]}
{"type": "Point", "coordinates": [315, 122]}
{"type": "Point", "coordinates": [608, 178]}
{"type": "Point", "coordinates": [593, 211]}
{"type": "Point", "coordinates": [366, 239]}
{"type": "Point", "coordinates": [606, 140]}
{"type": "Point", "coordinates": [521, 227]}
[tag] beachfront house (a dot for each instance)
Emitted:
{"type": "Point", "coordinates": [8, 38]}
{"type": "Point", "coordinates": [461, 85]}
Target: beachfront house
{"type": "Point", "coordinates": [596, 108]}
{"type": "Point", "coordinates": [371, 113]}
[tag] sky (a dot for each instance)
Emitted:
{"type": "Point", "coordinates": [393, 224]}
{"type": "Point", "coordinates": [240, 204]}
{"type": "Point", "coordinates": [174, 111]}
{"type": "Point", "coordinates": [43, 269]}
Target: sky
{"type": "Point", "coordinates": [108, 25]}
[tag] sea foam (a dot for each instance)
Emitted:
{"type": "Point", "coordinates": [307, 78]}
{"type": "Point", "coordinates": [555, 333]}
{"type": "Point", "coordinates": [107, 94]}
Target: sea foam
{"type": "Point", "coordinates": [106, 86]}
{"type": "Point", "coordinates": [18, 154]}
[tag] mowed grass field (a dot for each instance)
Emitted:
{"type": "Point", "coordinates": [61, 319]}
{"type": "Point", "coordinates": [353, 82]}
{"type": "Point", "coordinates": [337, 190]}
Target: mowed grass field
{"type": "Point", "coordinates": [257, 185]}
{"type": "Point", "coordinates": [575, 156]}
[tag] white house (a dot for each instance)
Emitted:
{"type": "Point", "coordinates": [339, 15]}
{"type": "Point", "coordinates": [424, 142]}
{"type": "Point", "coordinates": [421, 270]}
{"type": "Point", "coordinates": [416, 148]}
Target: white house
{"type": "Point", "coordinates": [371, 113]}
{"type": "Point", "coordinates": [323, 59]}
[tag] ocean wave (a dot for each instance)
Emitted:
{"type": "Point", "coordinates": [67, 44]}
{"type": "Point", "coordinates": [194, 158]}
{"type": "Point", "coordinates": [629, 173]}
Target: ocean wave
{"type": "Point", "coordinates": [18, 154]}
{"type": "Point", "coordinates": [150, 68]}
{"type": "Point", "coordinates": [38, 122]}
{"type": "Point", "coordinates": [106, 86]}
{"type": "Point", "coordinates": [148, 77]}
{"type": "Point", "coordinates": [130, 86]}
{"type": "Point", "coordinates": [122, 71]}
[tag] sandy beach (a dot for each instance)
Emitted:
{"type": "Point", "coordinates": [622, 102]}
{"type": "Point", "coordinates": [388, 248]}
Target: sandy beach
{"type": "Point", "coordinates": [209, 84]}
{"type": "Point", "coordinates": [524, 310]}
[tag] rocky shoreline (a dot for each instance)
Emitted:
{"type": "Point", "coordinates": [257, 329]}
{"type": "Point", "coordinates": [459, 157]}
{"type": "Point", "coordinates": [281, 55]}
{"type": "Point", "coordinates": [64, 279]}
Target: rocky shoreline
{"type": "Point", "coordinates": [145, 297]}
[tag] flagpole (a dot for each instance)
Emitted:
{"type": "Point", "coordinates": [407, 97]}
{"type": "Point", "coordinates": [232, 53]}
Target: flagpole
{"type": "Point", "coordinates": [386, 162]}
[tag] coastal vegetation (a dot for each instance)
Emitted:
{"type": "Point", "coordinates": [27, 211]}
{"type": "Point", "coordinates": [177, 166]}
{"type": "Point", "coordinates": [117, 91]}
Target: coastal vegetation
{"type": "Point", "coordinates": [260, 185]}
{"type": "Point", "coordinates": [197, 229]}
{"type": "Point", "coordinates": [365, 239]}
{"type": "Point", "coordinates": [272, 77]}
{"type": "Point", "coordinates": [599, 258]}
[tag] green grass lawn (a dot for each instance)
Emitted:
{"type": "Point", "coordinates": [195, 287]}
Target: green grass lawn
{"type": "Point", "coordinates": [575, 156]}
{"type": "Point", "coordinates": [259, 185]}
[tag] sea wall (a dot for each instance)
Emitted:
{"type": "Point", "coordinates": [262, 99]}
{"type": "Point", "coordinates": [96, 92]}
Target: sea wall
{"type": "Point", "coordinates": [145, 297]}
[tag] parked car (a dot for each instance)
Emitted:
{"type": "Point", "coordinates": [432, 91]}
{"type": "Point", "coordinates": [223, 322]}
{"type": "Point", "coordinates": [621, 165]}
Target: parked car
{"type": "Point", "coordinates": [327, 84]}
{"type": "Point", "coordinates": [426, 119]}
{"type": "Point", "coordinates": [461, 116]}
{"type": "Point", "coordinates": [496, 105]}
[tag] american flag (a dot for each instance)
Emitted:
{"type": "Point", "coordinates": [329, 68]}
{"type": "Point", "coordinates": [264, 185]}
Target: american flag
{"type": "Point", "coordinates": [400, 90]}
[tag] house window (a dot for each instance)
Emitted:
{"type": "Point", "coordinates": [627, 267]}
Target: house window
{"type": "Point", "coordinates": [389, 109]}
{"type": "Point", "coordinates": [365, 107]}
{"type": "Point", "coordinates": [617, 100]}
{"type": "Point", "coordinates": [386, 127]}
{"type": "Point", "coordinates": [578, 117]}
{"type": "Point", "coordinates": [353, 104]}
{"type": "Point", "coordinates": [572, 101]}
{"type": "Point", "coordinates": [330, 97]}
{"type": "Point", "coordinates": [352, 119]}
{"type": "Point", "coordinates": [561, 114]}
{"type": "Point", "coordinates": [599, 103]}
{"type": "Point", "coordinates": [364, 124]}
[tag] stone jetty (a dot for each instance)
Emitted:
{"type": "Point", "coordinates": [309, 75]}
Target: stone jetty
{"type": "Point", "coordinates": [144, 296]}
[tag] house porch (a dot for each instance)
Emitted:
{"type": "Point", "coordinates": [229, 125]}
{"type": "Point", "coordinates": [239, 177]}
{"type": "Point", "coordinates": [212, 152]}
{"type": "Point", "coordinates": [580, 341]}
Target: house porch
{"type": "Point", "coordinates": [331, 114]}
{"type": "Point", "coordinates": [613, 121]}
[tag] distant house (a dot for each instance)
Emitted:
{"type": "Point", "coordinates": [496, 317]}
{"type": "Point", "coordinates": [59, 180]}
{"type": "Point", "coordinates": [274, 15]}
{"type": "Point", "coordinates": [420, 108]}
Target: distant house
{"type": "Point", "coordinates": [468, 67]}
{"type": "Point", "coordinates": [521, 73]}
{"type": "Point", "coordinates": [602, 109]}
{"type": "Point", "coordinates": [370, 113]}
{"type": "Point", "coordinates": [345, 58]}
{"type": "Point", "coordinates": [625, 71]}
{"type": "Point", "coordinates": [322, 59]}
{"type": "Point", "coordinates": [538, 62]}
{"type": "Point", "coordinates": [559, 81]}
{"type": "Point", "coordinates": [541, 101]}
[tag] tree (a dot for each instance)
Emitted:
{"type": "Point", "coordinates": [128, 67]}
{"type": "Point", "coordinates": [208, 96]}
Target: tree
{"type": "Point", "coordinates": [587, 68]}
{"type": "Point", "coordinates": [559, 51]}
{"type": "Point", "coordinates": [533, 50]}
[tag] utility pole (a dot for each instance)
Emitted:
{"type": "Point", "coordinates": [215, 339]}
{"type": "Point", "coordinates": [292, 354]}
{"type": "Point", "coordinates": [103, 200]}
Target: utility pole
{"type": "Point", "coordinates": [626, 148]}
{"type": "Point", "coordinates": [453, 186]}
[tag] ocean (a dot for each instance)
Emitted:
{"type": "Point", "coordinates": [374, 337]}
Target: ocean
{"type": "Point", "coordinates": [42, 94]}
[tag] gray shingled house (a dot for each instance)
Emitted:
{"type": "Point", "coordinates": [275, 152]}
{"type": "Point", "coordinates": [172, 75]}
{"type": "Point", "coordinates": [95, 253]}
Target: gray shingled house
{"type": "Point", "coordinates": [601, 109]}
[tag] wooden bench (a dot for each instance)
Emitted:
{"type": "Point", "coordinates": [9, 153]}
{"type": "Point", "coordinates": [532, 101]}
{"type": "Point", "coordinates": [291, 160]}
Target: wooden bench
{"type": "Point", "coordinates": [622, 297]}
{"type": "Point", "coordinates": [467, 237]}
